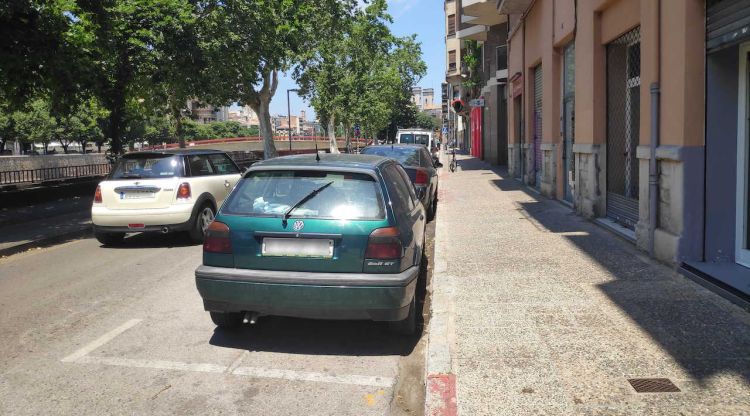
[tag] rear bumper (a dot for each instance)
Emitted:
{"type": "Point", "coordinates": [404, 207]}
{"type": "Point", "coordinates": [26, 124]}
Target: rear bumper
{"type": "Point", "coordinates": [171, 216]}
{"type": "Point", "coordinates": [379, 297]}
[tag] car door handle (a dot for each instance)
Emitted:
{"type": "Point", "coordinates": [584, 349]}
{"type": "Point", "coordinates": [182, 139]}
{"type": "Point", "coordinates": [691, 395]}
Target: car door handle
{"type": "Point", "coordinates": [226, 184]}
{"type": "Point", "coordinates": [421, 217]}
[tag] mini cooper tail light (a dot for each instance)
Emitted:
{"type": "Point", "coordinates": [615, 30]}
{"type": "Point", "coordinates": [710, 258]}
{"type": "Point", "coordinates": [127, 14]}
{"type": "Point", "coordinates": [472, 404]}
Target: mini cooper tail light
{"type": "Point", "coordinates": [98, 195]}
{"type": "Point", "coordinates": [384, 244]}
{"type": "Point", "coordinates": [217, 239]}
{"type": "Point", "coordinates": [183, 192]}
{"type": "Point", "coordinates": [422, 178]}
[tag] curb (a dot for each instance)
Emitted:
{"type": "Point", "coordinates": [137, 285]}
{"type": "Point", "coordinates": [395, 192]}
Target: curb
{"type": "Point", "coordinates": [440, 382]}
{"type": "Point", "coordinates": [46, 242]}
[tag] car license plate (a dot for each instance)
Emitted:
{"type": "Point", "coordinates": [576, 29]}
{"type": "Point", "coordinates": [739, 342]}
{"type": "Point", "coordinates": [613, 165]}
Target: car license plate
{"type": "Point", "coordinates": [298, 247]}
{"type": "Point", "coordinates": [136, 195]}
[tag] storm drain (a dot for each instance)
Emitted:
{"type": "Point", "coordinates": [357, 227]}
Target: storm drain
{"type": "Point", "coordinates": [653, 385]}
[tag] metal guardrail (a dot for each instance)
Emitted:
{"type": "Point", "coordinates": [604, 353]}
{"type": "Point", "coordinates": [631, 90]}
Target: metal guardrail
{"type": "Point", "coordinates": [31, 176]}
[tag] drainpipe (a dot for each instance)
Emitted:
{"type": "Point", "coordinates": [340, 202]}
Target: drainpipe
{"type": "Point", "coordinates": [653, 177]}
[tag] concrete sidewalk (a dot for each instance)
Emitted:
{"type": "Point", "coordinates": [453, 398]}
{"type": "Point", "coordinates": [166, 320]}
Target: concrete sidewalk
{"type": "Point", "coordinates": [43, 224]}
{"type": "Point", "coordinates": [536, 310]}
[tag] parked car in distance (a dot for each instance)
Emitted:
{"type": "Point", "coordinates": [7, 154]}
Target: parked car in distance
{"type": "Point", "coordinates": [337, 238]}
{"type": "Point", "coordinates": [419, 165]}
{"type": "Point", "coordinates": [162, 191]}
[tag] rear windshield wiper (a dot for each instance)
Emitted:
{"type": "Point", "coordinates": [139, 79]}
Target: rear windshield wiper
{"type": "Point", "coordinates": [307, 197]}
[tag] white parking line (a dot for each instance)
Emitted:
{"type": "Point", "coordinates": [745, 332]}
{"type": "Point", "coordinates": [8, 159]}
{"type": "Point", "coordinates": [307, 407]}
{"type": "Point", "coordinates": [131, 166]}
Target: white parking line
{"type": "Point", "coordinates": [155, 364]}
{"type": "Point", "coordinates": [81, 356]}
{"type": "Point", "coordinates": [109, 336]}
{"type": "Point", "coordinates": [316, 377]}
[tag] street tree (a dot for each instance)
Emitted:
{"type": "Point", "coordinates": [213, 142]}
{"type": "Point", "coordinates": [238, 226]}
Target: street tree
{"type": "Point", "coordinates": [250, 41]}
{"type": "Point", "coordinates": [82, 125]}
{"type": "Point", "coordinates": [361, 76]}
{"type": "Point", "coordinates": [35, 124]}
{"type": "Point", "coordinates": [134, 47]}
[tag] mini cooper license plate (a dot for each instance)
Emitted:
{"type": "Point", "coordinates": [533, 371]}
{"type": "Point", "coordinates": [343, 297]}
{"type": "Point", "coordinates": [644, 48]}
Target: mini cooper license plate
{"type": "Point", "coordinates": [136, 195]}
{"type": "Point", "coordinates": [298, 247]}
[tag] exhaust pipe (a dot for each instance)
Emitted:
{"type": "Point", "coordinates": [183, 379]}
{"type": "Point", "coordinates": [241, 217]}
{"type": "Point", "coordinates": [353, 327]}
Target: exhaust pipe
{"type": "Point", "coordinates": [164, 230]}
{"type": "Point", "coordinates": [251, 318]}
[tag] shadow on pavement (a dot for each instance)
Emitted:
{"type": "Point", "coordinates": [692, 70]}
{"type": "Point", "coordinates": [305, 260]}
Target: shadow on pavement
{"type": "Point", "coordinates": [702, 333]}
{"type": "Point", "coordinates": [154, 240]}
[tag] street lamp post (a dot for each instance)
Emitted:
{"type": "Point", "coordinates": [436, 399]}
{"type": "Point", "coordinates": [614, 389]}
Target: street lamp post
{"type": "Point", "coordinates": [289, 116]}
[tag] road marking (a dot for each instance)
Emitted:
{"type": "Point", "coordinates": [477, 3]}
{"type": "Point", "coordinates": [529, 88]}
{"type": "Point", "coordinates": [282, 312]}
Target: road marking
{"type": "Point", "coordinates": [154, 364]}
{"type": "Point", "coordinates": [236, 363]}
{"type": "Point", "coordinates": [109, 336]}
{"type": "Point", "coordinates": [82, 356]}
{"type": "Point", "coordinates": [315, 377]}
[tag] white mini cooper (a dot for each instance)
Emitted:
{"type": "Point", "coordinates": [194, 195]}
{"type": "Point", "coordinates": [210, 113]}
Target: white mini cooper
{"type": "Point", "coordinates": [162, 191]}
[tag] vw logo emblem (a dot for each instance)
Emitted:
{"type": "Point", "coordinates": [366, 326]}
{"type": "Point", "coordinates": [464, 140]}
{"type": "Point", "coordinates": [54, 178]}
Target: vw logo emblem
{"type": "Point", "coordinates": [298, 225]}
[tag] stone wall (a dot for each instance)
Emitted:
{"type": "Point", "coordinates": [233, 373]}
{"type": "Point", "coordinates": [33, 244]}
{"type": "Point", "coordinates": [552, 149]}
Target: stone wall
{"type": "Point", "coordinates": [8, 163]}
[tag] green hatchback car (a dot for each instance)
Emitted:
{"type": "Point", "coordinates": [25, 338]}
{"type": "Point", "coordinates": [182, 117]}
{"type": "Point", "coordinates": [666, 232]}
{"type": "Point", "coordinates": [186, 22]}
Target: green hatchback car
{"type": "Point", "coordinates": [334, 237]}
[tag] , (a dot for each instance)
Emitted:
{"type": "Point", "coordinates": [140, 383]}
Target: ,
{"type": "Point", "coordinates": [162, 191]}
{"type": "Point", "coordinates": [341, 237]}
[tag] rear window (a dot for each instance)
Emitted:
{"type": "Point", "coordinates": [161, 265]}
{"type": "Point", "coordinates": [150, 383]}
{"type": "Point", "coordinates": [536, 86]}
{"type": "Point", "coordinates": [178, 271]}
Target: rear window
{"type": "Point", "coordinates": [147, 167]}
{"type": "Point", "coordinates": [408, 156]}
{"type": "Point", "coordinates": [351, 196]}
{"type": "Point", "coordinates": [414, 138]}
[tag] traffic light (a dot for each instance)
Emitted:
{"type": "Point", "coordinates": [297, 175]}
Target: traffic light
{"type": "Point", "coordinates": [458, 105]}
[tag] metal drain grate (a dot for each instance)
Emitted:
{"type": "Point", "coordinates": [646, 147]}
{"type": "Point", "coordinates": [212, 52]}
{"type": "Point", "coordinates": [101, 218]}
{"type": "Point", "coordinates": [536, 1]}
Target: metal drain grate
{"type": "Point", "coordinates": [653, 385]}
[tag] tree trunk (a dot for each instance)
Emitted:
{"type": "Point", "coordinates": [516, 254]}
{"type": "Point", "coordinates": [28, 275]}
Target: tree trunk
{"type": "Point", "coordinates": [332, 145]}
{"type": "Point", "coordinates": [347, 139]}
{"type": "Point", "coordinates": [2, 146]}
{"type": "Point", "coordinates": [266, 131]}
{"type": "Point", "coordinates": [115, 126]}
{"type": "Point", "coordinates": [65, 147]}
{"type": "Point", "coordinates": [178, 129]}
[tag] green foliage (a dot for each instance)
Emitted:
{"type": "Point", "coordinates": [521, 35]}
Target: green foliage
{"type": "Point", "coordinates": [426, 121]}
{"type": "Point", "coordinates": [35, 123]}
{"type": "Point", "coordinates": [472, 60]}
{"type": "Point", "coordinates": [250, 41]}
{"type": "Point", "coordinates": [363, 76]}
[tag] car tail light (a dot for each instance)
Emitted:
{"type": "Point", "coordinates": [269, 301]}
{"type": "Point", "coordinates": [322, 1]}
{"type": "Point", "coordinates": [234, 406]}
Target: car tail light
{"type": "Point", "coordinates": [98, 195]}
{"type": "Point", "coordinates": [183, 192]}
{"type": "Point", "coordinates": [217, 239]}
{"type": "Point", "coordinates": [384, 244]}
{"type": "Point", "coordinates": [422, 178]}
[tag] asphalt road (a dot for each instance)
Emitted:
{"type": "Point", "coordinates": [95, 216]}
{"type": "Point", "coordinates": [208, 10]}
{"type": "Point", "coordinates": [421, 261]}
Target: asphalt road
{"type": "Point", "coordinates": [93, 330]}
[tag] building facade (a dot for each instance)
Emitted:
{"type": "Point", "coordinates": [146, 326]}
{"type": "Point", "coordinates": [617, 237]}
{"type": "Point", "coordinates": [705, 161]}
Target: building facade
{"type": "Point", "coordinates": [634, 112]}
{"type": "Point", "coordinates": [477, 74]}
{"type": "Point", "coordinates": [203, 113]}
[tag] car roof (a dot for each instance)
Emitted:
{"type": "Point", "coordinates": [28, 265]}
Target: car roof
{"type": "Point", "coordinates": [174, 152]}
{"type": "Point", "coordinates": [386, 146]}
{"type": "Point", "coordinates": [357, 161]}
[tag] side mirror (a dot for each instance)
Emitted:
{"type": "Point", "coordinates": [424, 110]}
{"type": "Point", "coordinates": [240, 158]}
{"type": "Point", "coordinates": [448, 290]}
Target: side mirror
{"type": "Point", "coordinates": [438, 164]}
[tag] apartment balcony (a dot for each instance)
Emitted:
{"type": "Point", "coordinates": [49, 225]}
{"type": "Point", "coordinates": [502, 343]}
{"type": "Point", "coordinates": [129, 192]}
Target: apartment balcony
{"type": "Point", "coordinates": [483, 12]}
{"type": "Point", "coordinates": [513, 6]}
{"type": "Point", "coordinates": [475, 32]}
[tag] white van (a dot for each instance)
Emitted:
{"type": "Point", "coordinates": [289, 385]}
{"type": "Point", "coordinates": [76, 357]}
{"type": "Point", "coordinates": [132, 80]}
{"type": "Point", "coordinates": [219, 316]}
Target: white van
{"type": "Point", "coordinates": [418, 136]}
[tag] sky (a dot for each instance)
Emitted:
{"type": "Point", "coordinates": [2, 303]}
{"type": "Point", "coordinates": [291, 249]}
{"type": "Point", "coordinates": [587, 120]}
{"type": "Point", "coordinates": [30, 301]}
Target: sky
{"type": "Point", "coordinates": [423, 17]}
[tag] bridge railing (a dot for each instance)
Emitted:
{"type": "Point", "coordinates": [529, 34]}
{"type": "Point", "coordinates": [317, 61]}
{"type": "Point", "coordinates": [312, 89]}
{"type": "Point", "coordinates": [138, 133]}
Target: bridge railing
{"type": "Point", "coordinates": [41, 175]}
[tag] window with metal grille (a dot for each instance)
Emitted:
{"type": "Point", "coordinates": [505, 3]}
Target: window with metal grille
{"type": "Point", "coordinates": [451, 24]}
{"type": "Point", "coordinates": [451, 61]}
{"type": "Point", "coordinates": [623, 126]}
